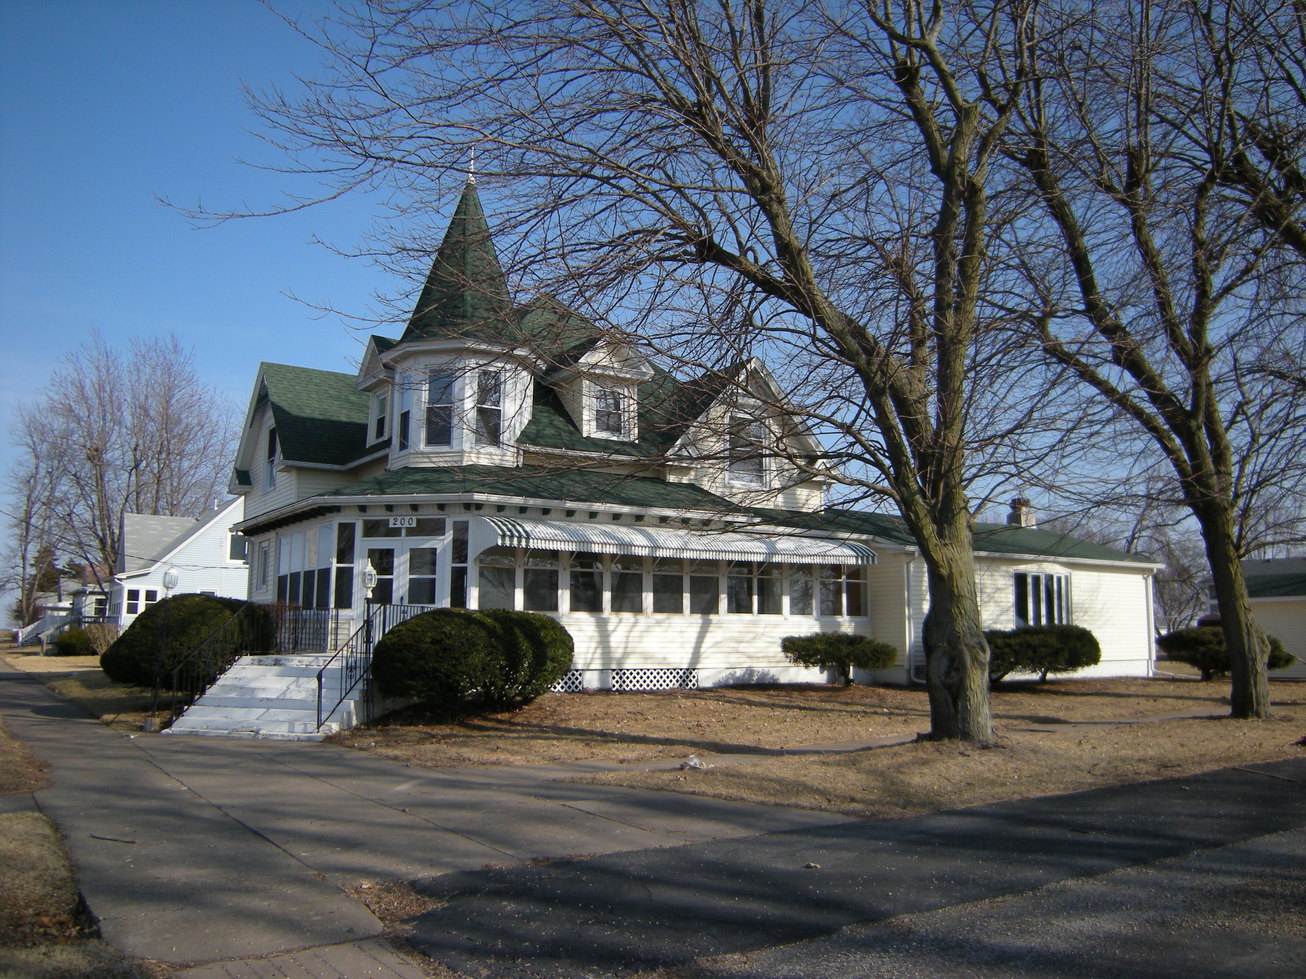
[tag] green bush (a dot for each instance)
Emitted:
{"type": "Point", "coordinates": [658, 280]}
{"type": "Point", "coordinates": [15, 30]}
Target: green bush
{"type": "Point", "coordinates": [458, 661]}
{"type": "Point", "coordinates": [537, 652]}
{"type": "Point", "coordinates": [73, 642]}
{"type": "Point", "coordinates": [1204, 648]}
{"type": "Point", "coordinates": [169, 631]}
{"type": "Point", "coordinates": [838, 651]}
{"type": "Point", "coordinates": [1041, 649]}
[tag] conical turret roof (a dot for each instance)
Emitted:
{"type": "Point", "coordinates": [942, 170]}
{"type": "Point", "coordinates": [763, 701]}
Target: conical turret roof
{"type": "Point", "coordinates": [466, 294]}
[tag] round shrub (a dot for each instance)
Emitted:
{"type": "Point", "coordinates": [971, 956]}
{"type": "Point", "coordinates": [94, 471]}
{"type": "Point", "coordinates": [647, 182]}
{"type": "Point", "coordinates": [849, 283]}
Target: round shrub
{"type": "Point", "coordinates": [1204, 647]}
{"type": "Point", "coordinates": [537, 652]}
{"type": "Point", "coordinates": [457, 661]}
{"type": "Point", "coordinates": [175, 627]}
{"type": "Point", "coordinates": [73, 642]}
{"type": "Point", "coordinates": [1041, 649]}
{"type": "Point", "coordinates": [838, 651]}
{"type": "Point", "coordinates": [449, 659]}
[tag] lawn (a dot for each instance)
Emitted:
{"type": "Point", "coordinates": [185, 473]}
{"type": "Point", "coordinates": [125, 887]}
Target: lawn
{"type": "Point", "coordinates": [807, 745]}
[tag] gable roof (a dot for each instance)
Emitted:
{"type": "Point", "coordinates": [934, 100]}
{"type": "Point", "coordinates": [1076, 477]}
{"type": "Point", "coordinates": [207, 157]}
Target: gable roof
{"type": "Point", "coordinates": [321, 416]}
{"type": "Point", "coordinates": [147, 537]}
{"type": "Point", "coordinates": [466, 294]}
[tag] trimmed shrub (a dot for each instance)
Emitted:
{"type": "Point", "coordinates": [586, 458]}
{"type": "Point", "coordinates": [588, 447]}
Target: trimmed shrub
{"type": "Point", "coordinates": [537, 652]}
{"type": "Point", "coordinates": [73, 642]}
{"type": "Point", "coordinates": [838, 651]}
{"type": "Point", "coordinates": [458, 661]}
{"type": "Point", "coordinates": [1203, 647]}
{"type": "Point", "coordinates": [1041, 649]}
{"type": "Point", "coordinates": [169, 631]}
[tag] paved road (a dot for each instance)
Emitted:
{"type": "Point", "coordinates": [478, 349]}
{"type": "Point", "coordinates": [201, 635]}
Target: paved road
{"type": "Point", "coordinates": [230, 855]}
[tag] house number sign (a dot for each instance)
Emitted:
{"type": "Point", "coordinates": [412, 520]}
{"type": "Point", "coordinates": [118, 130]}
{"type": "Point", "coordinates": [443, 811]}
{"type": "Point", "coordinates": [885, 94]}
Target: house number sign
{"type": "Point", "coordinates": [403, 521]}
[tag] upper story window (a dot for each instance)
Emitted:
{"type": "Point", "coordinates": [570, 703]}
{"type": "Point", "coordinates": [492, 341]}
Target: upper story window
{"type": "Point", "coordinates": [270, 460]}
{"type": "Point", "coordinates": [404, 424]}
{"type": "Point", "coordinates": [1041, 598]}
{"type": "Point", "coordinates": [745, 464]}
{"type": "Point", "coordinates": [489, 407]}
{"type": "Point", "coordinates": [380, 413]}
{"type": "Point", "coordinates": [610, 412]}
{"type": "Point", "coordinates": [439, 409]}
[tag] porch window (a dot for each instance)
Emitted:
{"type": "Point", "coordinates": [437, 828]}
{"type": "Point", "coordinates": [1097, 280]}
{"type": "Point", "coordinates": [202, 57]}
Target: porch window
{"type": "Point", "coordinates": [745, 465]}
{"type": "Point", "coordinates": [421, 575]}
{"type": "Point", "coordinates": [439, 409]}
{"type": "Point", "coordinates": [842, 591]}
{"type": "Point", "coordinates": [497, 579]}
{"type": "Point", "coordinates": [489, 408]}
{"type": "Point", "coordinates": [1041, 598]}
{"type": "Point", "coordinates": [801, 591]}
{"type": "Point", "coordinates": [262, 564]}
{"type": "Point", "coordinates": [345, 532]}
{"type": "Point", "coordinates": [739, 588]}
{"type": "Point", "coordinates": [540, 581]}
{"type": "Point", "coordinates": [704, 588]}
{"type": "Point", "coordinates": [585, 579]}
{"type": "Point", "coordinates": [627, 584]}
{"type": "Point", "coordinates": [669, 587]}
{"type": "Point", "coordinates": [458, 558]}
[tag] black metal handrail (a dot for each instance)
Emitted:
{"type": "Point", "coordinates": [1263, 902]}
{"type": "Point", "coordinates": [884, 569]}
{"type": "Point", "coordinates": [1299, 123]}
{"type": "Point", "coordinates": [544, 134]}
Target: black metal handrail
{"type": "Point", "coordinates": [214, 655]}
{"type": "Point", "coordinates": [353, 660]}
{"type": "Point", "coordinates": [252, 629]}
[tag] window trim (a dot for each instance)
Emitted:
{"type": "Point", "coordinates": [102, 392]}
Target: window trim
{"type": "Point", "coordinates": [1033, 595]}
{"type": "Point", "coordinates": [745, 452]}
{"type": "Point", "coordinates": [617, 408]}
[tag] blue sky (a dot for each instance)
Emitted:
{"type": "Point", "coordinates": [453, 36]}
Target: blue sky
{"type": "Point", "coordinates": [108, 105]}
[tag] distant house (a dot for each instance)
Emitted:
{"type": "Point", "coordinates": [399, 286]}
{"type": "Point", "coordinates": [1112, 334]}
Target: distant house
{"type": "Point", "coordinates": [206, 554]}
{"type": "Point", "coordinates": [1277, 589]}
{"type": "Point", "coordinates": [506, 455]}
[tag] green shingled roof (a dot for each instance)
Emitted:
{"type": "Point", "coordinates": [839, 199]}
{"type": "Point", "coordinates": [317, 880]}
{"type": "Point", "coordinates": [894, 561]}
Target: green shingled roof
{"type": "Point", "coordinates": [1276, 585]}
{"type": "Point", "coordinates": [466, 294]}
{"type": "Point", "coordinates": [540, 483]}
{"type": "Point", "coordinates": [321, 417]}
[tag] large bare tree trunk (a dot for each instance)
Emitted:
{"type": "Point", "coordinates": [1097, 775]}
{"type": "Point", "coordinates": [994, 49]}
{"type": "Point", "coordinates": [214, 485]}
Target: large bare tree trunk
{"type": "Point", "coordinates": [1249, 649]}
{"type": "Point", "coordinates": [957, 660]}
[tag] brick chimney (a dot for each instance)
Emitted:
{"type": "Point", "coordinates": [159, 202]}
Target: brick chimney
{"type": "Point", "coordinates": [1022, 513]}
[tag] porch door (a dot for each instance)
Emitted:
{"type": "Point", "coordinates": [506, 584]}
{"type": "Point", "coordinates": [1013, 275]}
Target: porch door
{"type": "Point", "coordinates": [382, 560]}
{"type": "Point", "coordinates": [422, 575]}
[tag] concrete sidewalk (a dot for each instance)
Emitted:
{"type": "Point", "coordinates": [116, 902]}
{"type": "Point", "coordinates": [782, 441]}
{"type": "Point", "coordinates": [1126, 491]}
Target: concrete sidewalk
{"type": "Point", "coordinates": [229, 856]}
{"type": "Point", "coordinates": [193, 850]}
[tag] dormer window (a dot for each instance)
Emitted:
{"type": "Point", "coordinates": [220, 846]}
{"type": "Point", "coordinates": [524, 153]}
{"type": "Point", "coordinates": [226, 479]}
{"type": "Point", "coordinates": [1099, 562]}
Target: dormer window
{"type": "Point", "coordinates": [270, 461]}
{"type": "Point", "coordinates": [380, 412]}
{"type": "Point", "coordinates": [610, 412]}
{"type": "Point", "coordinates": [745, 464]}
{"type": "Point", "coordinates": [489, 407]}
{"type": "Point", "coordinates": [439, 409]}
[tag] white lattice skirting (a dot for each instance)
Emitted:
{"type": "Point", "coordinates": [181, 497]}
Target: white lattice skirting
{"type": "Point", "coordinates": [574, 681]}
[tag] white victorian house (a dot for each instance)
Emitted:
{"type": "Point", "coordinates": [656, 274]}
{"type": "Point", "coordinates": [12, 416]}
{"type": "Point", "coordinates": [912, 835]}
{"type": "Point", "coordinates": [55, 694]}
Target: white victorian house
{"type": "Point", "coordinates": [505, 455]}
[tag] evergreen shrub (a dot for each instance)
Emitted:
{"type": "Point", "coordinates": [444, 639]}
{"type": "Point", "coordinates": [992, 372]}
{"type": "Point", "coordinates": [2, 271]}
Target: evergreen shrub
{"type": "Point", "coordinates": [838, 651]}
{"type": "Point", "coordinates": [73, 642]}
{"type": "Point", "coordinates": [458, 661]}
{"type": "Point", "coordinates": [1204, 648]}
{"type": "Point", "coordinates": [181, 623]}
{"type": "Point", "coordinates": [1041, 649]}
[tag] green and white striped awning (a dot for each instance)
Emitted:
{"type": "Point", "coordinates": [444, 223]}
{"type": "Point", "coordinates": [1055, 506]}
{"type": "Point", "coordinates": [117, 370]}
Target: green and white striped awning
{"type": "Point", "coordinates": [665, 542]}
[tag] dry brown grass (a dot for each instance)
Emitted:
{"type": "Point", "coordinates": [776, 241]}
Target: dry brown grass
{"type": "Point", "coordinates": [1057, 737]}
{"type": "Point", "coordinates": [20, 771]}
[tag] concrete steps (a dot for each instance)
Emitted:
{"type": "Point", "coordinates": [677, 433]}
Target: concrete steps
{"type": "Point", "coordinates": [271, 697]}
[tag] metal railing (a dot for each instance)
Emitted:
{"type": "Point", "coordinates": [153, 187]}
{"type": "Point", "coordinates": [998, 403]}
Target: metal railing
{"type": "Point", "coordinates": [353, 660]}
{"type": "Point", "coordinates": [251, 630]}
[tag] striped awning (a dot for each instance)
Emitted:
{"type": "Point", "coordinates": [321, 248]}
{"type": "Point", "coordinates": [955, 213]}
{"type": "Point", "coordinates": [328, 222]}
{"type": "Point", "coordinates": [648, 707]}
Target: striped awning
{"type": "Point", "coordinates": [666, 542]}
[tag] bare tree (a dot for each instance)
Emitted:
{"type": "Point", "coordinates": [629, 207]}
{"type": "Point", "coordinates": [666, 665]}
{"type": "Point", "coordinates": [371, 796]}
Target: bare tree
{"type": "Point", "coordinates": [1177, 292]}
{"type": "Point", "coordinates": [116, 432]}
{"type": "Point", "coordinates": [812, 187]}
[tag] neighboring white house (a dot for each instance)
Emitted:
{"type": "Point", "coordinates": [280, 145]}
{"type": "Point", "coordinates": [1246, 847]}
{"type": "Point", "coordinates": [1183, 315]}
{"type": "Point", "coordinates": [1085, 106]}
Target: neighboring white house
{"type": "Point", "coordinates": [1277, 589]}
{"type": "Point", "coordinates": [516, 456]}
{"type": "Point", "coordinates": [207, 555]}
